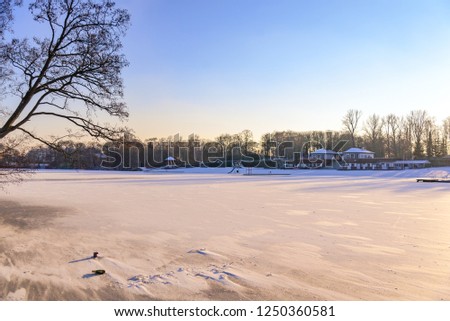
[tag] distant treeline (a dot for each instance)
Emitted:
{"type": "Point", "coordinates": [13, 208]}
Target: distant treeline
{"type": "Point", "coordinates": [413, 136]}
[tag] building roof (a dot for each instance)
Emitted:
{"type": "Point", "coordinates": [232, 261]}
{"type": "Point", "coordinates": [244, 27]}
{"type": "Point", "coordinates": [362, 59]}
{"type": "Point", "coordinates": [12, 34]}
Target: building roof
{"type": "Point", "coordinates": [324, 151]}
{"type": "Point", "coordinates": [358, 150]}
{"type": "Point", "coordinates": [412, 162]}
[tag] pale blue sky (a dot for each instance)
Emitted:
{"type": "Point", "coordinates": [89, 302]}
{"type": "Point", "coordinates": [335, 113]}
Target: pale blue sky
{"type": "Point", "coordinates": [211, 67]}
{"type": "Point", "coordinates": [221, 66]}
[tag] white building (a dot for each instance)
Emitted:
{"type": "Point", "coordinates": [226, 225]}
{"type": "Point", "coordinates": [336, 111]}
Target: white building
{"type": "Point", "coordinates": [357, 153]}
{"type": "Point", "coordinates": [323, 154]}
{"type": "Point", "coordinates": [412, 164]}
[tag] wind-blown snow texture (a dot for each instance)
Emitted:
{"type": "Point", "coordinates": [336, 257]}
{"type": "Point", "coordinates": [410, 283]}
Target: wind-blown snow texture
{"type": "Point", "coordinates": [195, 234]}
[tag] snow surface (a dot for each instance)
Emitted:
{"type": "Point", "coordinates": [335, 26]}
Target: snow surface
{"type": "Point", "coordinates": [200, 233]}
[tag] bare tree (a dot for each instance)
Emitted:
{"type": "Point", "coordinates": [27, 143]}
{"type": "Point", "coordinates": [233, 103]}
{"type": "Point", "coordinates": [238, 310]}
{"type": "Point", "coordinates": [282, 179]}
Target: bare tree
{"type": "Point", "coordinates": [12, 150]}
{"type": "Point", "coordinates": [431, 138]}
{"type": "Point", "coordinates": [445, 136]}
{"type": "Point", "coordinates": [373, 130]}
{"type": "Point", "coordinates": [266, 144]}
{"type": "Point", "coordinates": [446, 126]}
{"type": "Point", "coordinates": [248, 144]}
{"type": "Point", "coordinates": [70, 75]}
{"type": "Point", "coordinates": [417, 120]}
{"type": "Point", "coordinates": [226, 140]}
{"type": "Point", "coordinates": [6, 15]}
{"type": "Point", "coordinates": [391, 129]}
{"type": "Point", "coordinates": [350, 122]}
{"type": "Point", "coordinates": [405, 138]}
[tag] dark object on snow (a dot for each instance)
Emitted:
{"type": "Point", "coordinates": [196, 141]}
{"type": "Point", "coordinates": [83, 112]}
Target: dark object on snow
{"type": "Point", "coordinates": [433, 180]}
{"type": "Point", "coordinates": [95, 255]}
{"type": "Point", "coordinates": [98, 271]}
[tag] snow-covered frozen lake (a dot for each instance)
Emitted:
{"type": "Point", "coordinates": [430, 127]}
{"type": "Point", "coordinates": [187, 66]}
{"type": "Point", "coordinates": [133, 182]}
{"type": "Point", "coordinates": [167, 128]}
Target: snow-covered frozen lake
{"type": "Point", "coordinates": [196, 234]}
